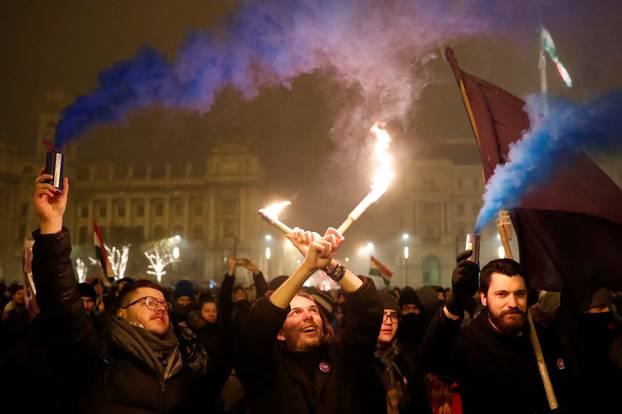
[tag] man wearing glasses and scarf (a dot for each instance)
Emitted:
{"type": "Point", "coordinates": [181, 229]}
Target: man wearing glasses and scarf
{"type": "Point", "coordinates": [138, 364]}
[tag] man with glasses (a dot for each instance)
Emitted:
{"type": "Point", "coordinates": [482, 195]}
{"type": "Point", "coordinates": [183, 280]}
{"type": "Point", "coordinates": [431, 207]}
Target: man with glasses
{"type": "Point", "coordinates": [138, 364]}
{"type": "Point", "coordinates": [397, 366]}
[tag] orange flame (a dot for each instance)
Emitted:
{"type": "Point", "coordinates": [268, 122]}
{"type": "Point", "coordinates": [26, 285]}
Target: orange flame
{"type": "Point", "coordinates": [384, 173]}
{"type": "Point", "coordinates": [273, 210]}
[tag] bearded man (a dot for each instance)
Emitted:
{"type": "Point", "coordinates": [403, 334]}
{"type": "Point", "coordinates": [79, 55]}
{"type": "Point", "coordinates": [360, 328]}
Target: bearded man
{"type": "Point", "coordinates": [492, 359]}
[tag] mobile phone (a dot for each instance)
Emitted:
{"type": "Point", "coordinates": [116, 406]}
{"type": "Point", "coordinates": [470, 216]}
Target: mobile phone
{"type": "Point", "coordinates": [55, 165]}
{"type": "Point", "coordinates": [472, 243]}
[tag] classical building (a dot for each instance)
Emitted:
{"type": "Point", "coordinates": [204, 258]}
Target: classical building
{"type": "Point", "coordinates": [211, 205]}
{"type": "Point", "coordinates": [443, 199]}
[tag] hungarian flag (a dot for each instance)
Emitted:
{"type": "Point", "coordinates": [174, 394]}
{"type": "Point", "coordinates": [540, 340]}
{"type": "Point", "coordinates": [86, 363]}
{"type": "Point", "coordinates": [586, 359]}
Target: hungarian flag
{"type": "Point", "coordinates": [378, 269]}
{"type": "Point", "coordinates": [569, 230]}
{"type": "Point", "coordinates": [100, 253]}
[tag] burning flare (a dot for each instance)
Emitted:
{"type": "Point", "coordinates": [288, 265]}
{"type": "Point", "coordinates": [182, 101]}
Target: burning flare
{"type": "Point", "coordinates": [384, 172]}
{"type": "Point", "coordinates": [382, 176]}
{"type": "Point", "coordinates": [271, 215]}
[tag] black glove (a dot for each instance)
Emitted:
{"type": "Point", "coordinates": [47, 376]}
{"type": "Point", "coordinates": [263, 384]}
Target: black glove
{"type": "Point", "coordinates": [464, 281]}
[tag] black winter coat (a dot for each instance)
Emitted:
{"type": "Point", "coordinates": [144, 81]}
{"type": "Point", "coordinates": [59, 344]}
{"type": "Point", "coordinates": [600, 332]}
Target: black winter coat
{"type": "Point", "coordinates": [92, 374]}
{"type": "Point", "coordinates": [278, 381]}
{"type": "Point", "coordinates": [496, 373]}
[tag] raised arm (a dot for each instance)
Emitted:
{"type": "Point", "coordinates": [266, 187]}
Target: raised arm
{"type": "Point", "coordinates": [226, 290]}
{"type": "Point", "coordinates": [319, 253]}
{"type": "Point", "coordinates": [439, 342]}
{"type": "Point", "coordinates": [58, 296]}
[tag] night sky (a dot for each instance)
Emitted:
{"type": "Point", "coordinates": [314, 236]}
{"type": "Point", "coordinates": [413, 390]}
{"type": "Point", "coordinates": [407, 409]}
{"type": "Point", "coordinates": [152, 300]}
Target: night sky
{"type": "Point", "coordinates": [49, 46]}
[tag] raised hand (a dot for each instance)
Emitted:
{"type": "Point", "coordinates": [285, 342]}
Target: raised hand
{"type": "Point", "coordinates": [232, 262]}
{"type": "Point", "coordinates": [50, 203]}
{"type": "Point", "coordinates": [319, 254]}
{"type": "Point", "coordinates": [464, 281]}
{"type": "Point", "coordinates": [248, 264]}
{"type": "Point", "coordinates": [301, 239]}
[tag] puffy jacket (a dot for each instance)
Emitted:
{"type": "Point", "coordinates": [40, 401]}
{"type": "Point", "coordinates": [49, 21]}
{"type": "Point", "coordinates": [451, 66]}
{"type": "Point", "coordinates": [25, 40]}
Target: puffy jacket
{"type": "Point", "coordinates": [93, 374]}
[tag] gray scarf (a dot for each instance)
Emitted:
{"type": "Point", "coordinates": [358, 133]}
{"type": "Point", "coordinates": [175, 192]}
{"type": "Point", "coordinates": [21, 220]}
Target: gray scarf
{"type": "Point", "coordinates": [161, 355]}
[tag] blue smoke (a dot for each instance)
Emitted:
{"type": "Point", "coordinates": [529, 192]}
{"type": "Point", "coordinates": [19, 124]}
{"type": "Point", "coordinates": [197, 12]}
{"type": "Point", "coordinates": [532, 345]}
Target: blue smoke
{"type": "Point", "coordinates": [377, 47]}
{"type": "Point", "coordinates": [595, 126]}
{"type": "Point", "coordinates": [371, 45]}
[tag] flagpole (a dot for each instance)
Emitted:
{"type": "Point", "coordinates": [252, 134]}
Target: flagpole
{"type": "Point", "coordinates": [546, 380]}
{"type": "Point", "coordinates": [503, 224]}
{"type": "Point", "coordinates": [543, 79]}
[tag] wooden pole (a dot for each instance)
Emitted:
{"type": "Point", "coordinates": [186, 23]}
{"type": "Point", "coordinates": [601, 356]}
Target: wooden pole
{"type": "Point", "coordinates": [503, 224]}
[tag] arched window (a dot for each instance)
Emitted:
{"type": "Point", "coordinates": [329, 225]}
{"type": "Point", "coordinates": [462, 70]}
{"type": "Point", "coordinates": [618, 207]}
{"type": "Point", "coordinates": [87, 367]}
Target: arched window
{"type": "Point", "coordinates": [431, 270]}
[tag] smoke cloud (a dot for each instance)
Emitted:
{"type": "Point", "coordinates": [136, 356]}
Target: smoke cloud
{"type": "Point", "coordinates": [376, 48]}
{"type": "Point", "coordinates": [595, 126]}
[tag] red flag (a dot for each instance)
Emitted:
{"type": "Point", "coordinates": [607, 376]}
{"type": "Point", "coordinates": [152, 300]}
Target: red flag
{"type": "Point", "coordinates": [100, 253]}
{"type": "Point", "coordinates": [569, 230]}
{"type": "Point", "coordinates": [376, 268]}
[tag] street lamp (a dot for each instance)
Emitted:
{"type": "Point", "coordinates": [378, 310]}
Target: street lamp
{"type": "Point", "coordinates": [405, 255]}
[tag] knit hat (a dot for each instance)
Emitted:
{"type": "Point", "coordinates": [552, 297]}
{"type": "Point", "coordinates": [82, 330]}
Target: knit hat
{"type": "Point", "coordinates": [388, 301]}
{"type": "Point", "coordinates": [87, 290]}
{"type": "Point", "coordinates": [409, 297]}
{"type": "Point", "coordinates": [184, 287]}
{"type": "Point", "coordinates": [323, 300]}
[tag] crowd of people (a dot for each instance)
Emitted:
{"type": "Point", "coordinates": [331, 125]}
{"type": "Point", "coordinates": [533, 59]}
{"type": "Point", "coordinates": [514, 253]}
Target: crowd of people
{"type": "Point", "coordinates": [137, 347]}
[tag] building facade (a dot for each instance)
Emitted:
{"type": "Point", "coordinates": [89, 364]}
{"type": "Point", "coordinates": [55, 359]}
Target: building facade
{"type": "Point", "coordinates": [211, 205]}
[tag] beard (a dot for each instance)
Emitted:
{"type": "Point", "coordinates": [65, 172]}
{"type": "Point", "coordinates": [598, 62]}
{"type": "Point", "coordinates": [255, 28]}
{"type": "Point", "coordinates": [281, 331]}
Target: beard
{"type": "Point", "coordinates": [509, 325]}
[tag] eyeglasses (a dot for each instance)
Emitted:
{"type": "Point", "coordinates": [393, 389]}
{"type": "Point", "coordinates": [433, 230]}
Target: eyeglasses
{"type": "Point", "coordinates": [151, 303]}
{"type": "Point", "coordinates": [392, 316]}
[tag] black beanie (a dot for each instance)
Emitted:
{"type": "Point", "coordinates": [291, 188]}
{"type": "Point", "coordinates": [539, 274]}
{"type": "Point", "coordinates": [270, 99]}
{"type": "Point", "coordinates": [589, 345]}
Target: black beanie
{"type": "Point", "coordinates": [388, 301]}
{"type": "Point", "coordinates": [409, 297]}
{"type": "Point", "coordinates": [87, 290]}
